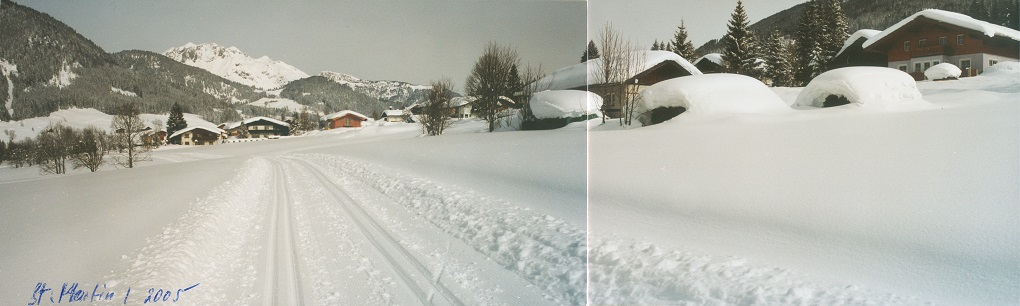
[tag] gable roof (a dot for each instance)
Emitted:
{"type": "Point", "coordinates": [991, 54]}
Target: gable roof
{"type": "Point", "coordinates": [578, 75]}
{"type": "Point", "coordinates": [344, 113]}
{"type": "Point", "coordinates": [864, 33]}
{"type": "Point", "coordinates": [187, 129]}
{"type": "Point", "coordinates": [711, 57]}
{"type": "Point", "coordinates": [953, 18]}
{"type": "Point", "coordinates": [233, 125]}
{"type": "Point", "coordinates": [392, 113]}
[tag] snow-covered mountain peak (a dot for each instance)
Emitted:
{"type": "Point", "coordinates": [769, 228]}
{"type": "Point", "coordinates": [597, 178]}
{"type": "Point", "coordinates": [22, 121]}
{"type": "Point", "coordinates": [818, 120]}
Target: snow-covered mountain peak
{"type": "Point", "coordinates": [234, 65]}
{"type": "Point", "coordinates": [392, 92]}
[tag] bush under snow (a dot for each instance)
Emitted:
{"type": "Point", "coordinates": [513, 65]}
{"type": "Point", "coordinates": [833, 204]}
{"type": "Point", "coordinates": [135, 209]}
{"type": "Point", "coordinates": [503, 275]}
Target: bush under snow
{"type": "Point", "coordinates": [943, 71]}
{"type": "Point", "coordinates": [709, 94]}
{"type": "Point", "coordinates": [875, 88]}
{"type": "Point", "coordinates": [551, 104]}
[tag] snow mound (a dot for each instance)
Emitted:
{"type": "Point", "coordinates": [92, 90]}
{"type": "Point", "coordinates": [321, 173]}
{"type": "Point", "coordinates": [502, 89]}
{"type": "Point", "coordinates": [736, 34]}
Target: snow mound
{"type": "Point", "coordinates": [943, 71]}
{"type": "Point", "coordinates": [1004, 69]}
{"type": "Point", "coordinates": [957, 19]}
{"type": "Point", "coordinates": [876, 88]}
{"type": "Point", "coordinates": [578, 75]}
{"type": "Point", "coordinates": [709, 94]}
{"type": "Point", "coordinates": [564, 104]}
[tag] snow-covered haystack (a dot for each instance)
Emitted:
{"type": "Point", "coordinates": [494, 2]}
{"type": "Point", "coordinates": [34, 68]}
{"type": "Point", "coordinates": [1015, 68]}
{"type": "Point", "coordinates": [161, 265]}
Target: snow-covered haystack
{"type": "Point", "coordinates": [874, 88]}
{"type": "Point", "coordinates": [551, 104]}
{"type": "Point", "coordinates": [943, 71]}
{"type": "Point", "coordinates": [707, 95]}
{"type": "Point", "coordinates": [1003, 69]}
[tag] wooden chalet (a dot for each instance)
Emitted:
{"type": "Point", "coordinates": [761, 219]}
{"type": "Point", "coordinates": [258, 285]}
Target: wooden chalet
{"type": "Point", "coordinates": [853, 54]}
{"type": "Point", "coordinates": [651, 67]}
{"type": "Point", "coordinates": [931, 37]}
{"type": "Point", "coordinates": [257, 127]}
{"type": "Point", "coordinates": [197, 136]}
{"type": "Point", "coordinates": [344, 119]}
{"type": "Point", "coordinates": [394, 115]}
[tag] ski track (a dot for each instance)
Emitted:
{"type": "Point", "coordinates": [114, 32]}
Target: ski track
{"type": "Point", "coordinates": [283, 278]}
{"type": "Point", "coordinates": [547, 252]}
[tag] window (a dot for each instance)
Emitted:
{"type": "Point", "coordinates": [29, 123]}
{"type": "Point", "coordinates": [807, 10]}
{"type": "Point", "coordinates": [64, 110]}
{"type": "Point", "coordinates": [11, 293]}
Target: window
{"type": "Point", "coordinates": [906, 46]}
{"type": "Point", "coordinates": [959, 39]}
{"type": "Point", "coordinates": [942, 41]}
{"type": "Point", "coordinates": [965, 64]}
{"type": "Point", "coordinates": [917, 67]}
{"type": "Point", "coordinates": [187, 135]}
{"type": "Point", "coordinates": [927, 65]}
{"type": "Point", "coordinates": [992, 62]}
{"type": "Point", "coordinates": [903, 68]}
{"type": "Point", "coordinates": [935, 63]}
{"type": "Point", "coordinates": [922, 42]}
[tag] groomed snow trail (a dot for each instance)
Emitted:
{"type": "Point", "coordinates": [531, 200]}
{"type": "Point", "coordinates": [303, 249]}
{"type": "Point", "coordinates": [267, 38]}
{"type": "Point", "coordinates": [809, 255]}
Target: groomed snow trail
{"type": "Point", "coordinates": [290, 231]}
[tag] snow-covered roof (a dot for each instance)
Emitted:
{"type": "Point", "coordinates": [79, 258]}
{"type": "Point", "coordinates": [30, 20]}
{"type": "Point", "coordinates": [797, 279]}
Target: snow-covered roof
{"type": "Point", "coordinates": [710, 94]}
{"type": "Point", "coordinates": [578, 75]}
{"type": "Point", "coordinates": [875, 88]}
{"type": "Point", "coordinates": [943, 71]}
{"type": "Point", "coordinates": [232, 125]}
{"type": "Point", "coordinates": [393, 113]}
{"type": "Point", "coordinates": [216, 131]}
{"type": "Point", "coordinates": [865, 33]}
{"type": "Point", "coordinates": [461, 101]}
{"type": "Point", "coordinates": [957, 19]}
{"type": "Point", "coordinates": [344, 113]}
{"type": "Point", "coordinates": [712, 57]}
{"type": "Point", "coordinates": [564, 104]}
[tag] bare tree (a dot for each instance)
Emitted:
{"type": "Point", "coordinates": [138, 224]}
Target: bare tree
{"type": "Point", "coordinates": [127, 136]}
{"type": "Point", "coordinates": [53, 148]}
{"type": "Point", "coordinates": [90, 149]}
{"type": "Point", "coordinates": [530, 76]}
{"type": "Point", "coordinates": [490, 82]}
{"type": "Point", "coordinates": [435, 113]}
{"type": "Point", "coordinates": [616, 66]}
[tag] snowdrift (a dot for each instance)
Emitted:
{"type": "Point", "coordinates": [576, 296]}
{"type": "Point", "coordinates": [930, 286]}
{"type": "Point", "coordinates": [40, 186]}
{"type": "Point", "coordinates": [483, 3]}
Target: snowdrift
{"type": "Point", "coordinates": [1003, 69]}
{"type": "Point", "coordinates": [943, 71]}
{"type": "Point", "coordinates": [873, 88]}
{"type": "Point", "coordinates": [709, 94]}
{"type": "Point", "coordinates": [553, 104]}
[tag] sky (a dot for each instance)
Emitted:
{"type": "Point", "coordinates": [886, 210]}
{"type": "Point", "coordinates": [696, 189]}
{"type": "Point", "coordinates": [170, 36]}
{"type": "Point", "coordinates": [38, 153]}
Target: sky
{"type": "Point", "coordinates": [411, 41]}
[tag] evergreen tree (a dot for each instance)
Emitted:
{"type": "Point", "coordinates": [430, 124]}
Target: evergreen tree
{"type": "Point", "coordinates": [681, 44]}
{"type": "Point", "coordinates": [655, 45]}
{"type": "Point", "coordinates": [776, 53]}
{"type": "Point", "coordinates": [739, 46]}
{"type": "Point", "coordinates": [833, 32]}
{"type": "Point", "coordinates": [176, 121]}
{"type": "Point", "coordinates": [591, 53]}
{"type": "Point", "coordinates": [978, 10]}
{"type": "Point", "coordinates": [516, 85]}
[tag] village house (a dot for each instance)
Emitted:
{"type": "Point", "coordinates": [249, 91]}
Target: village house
{"type": "Point", "coordinates": [460, 107]}
{"type": "Point", "coordinates": [853, 54]}
{"type": "Point", "coordinates": [197, 136]}
{"type": "Point", "coordinates": [394, 115]}
{"type": "Point", "coordinates": [650, 67]}
{"type": "Point", "coordinates": [257, 127]}
{"type": "Point", "coordinates": [344, 119]}
{"type": "Point", "coordinates": [931, 37]}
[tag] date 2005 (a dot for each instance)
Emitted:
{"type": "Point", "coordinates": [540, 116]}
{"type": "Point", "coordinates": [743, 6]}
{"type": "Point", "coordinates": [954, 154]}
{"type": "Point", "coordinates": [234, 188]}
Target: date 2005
{"type": "Point", "coordinates": [71, 293]}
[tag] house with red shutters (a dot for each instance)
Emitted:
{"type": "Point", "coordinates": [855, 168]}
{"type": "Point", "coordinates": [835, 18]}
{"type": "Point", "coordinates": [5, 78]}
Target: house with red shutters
{"type": "Point", "coordinates": [931, 37]}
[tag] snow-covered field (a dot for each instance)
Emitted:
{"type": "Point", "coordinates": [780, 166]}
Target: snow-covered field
{"type": "Point", "coordinates": [808, 206]}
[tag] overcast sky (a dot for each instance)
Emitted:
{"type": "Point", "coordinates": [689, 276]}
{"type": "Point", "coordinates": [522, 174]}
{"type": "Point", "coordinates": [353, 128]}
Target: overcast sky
{"type": "Point", "coordinates": [412, 41]}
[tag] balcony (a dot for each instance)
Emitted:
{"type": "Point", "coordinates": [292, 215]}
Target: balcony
{"type": "Point", "coordinates": [946, 50]}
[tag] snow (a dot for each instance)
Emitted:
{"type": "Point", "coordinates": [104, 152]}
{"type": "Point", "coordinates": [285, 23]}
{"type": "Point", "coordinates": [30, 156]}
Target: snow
{"type": "Point", "coordinates": [943, 71]}
{"type": "Point", "coordinates": [871, 88]}
{"type": "Point", "coordinates": [281, 103]}
{"type": "Point", "coordinates": [864, 33]}
{"type": "Point", "coordinates": [7, 70]}
{"type": "Point", "coordinates": [957, 19]}
{"type": "Point", "coordinates": [64, 77]}
{"type": "Point", "coordinates": [822, 207]}
{"type": "Point", "coordinates": [81, 118]}
{"type": "Point", "coordinates": [709, 95]}
{"type": "Point", "coordinates": [123, 92]}
{"type": "Point", "coordinates": [232, 64]}
{"type": "Point", "coordinates": [189, 128]}
{"type": "Point", "coordinates": [565, 104]}
{"type": "Point", "coordinates": [713, 57]}
{"type": "Point", "coordinates": [579, 75]}
{"type": "Point", "coordinates": [393, 113]}
{"type": "Point", "coordinates": [343, 113]}
{"type": "Point", "coordinates": [461, 101]}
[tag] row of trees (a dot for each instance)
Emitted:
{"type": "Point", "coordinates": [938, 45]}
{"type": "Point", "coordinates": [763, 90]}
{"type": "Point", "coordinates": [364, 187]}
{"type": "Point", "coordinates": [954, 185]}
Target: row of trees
{"type": "Point", "coordinates": [86, 148]}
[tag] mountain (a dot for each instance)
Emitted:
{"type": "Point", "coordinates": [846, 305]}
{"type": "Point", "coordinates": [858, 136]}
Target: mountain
{"type": "Point", "coordinates": [327, 96]}
{"type": "Point", "coordinates": [46, 66]}
{"type": "Point", "coordinates": [392, 93]}
{"type": "Point", "coordinates": [866, 14]}
{"type": "Point", "coordinates": [234, 65]}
